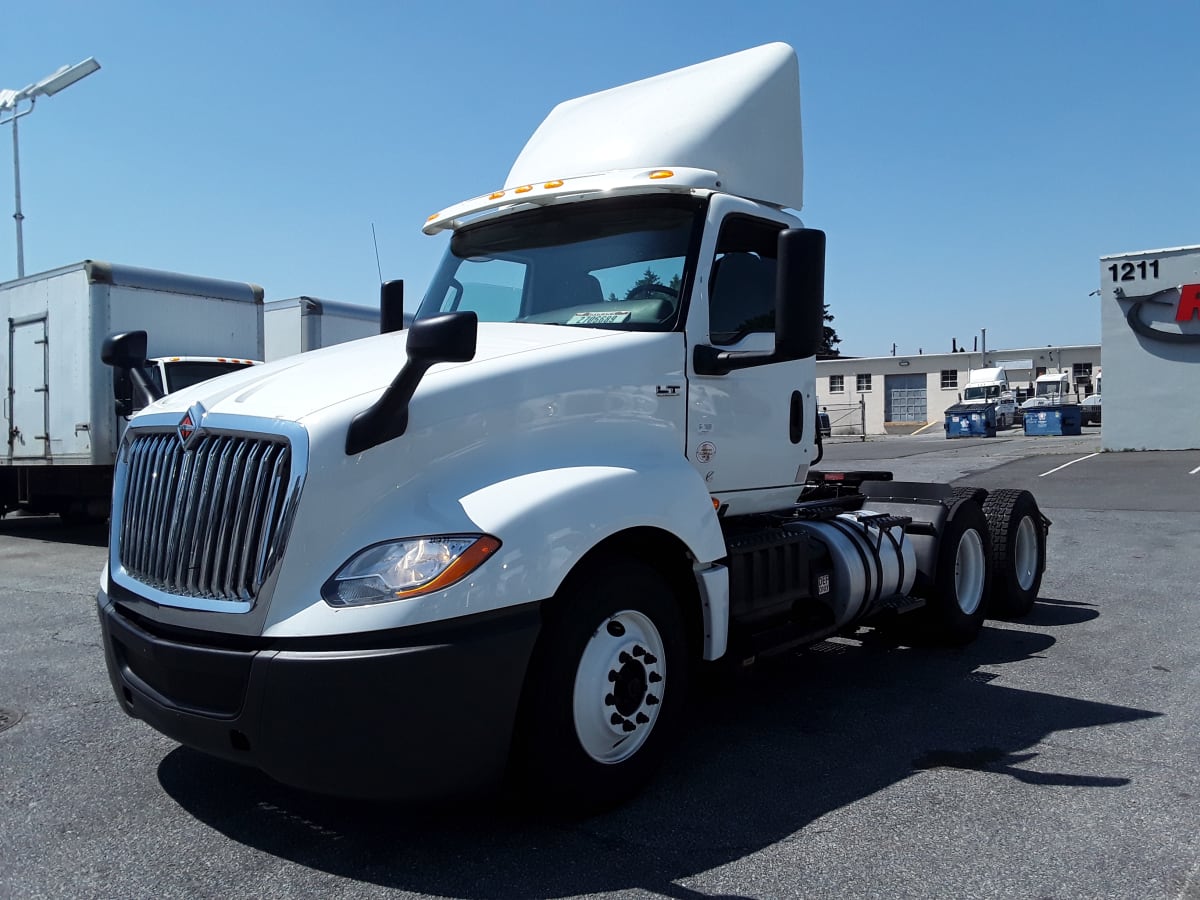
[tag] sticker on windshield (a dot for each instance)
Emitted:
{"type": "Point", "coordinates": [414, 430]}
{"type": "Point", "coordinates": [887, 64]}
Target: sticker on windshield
{"type": "Point", "coordinates": [600, 318]}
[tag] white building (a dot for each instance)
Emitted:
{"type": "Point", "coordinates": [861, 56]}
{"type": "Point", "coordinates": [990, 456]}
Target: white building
{"type": "Point", "coordinates": [903, 393]}
{"type": "Point", "coordinates": [1150, 325]}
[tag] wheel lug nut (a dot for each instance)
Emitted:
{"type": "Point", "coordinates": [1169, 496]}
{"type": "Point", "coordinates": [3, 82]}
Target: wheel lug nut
{"type": "Point", "coordinates": [616, 719]}
{"type": "Point", "coordinates": [612, 674]}
{"type": "Point", "coordinates": [651, 700]}
{"type": "Point", "coordinates": [610, 700]}
{"type": "Point", "coordinates": [624, 658]}
{"type": "Point", "coordinates": [654, 678]}
{"type": "Point", "coordinates": [651, 659]}
{"type": "Point", "coordinates": [627, 726]}
{"type": "Point", "coordinates": [639, 651]}
{"type": "Point", "coordinates": [642, 718]}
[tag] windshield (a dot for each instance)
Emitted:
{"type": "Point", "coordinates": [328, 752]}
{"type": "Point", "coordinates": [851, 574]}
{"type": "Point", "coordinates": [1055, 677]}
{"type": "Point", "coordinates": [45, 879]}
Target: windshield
{"type": "Point", "coordinates": [1049, 388]}
{"type": "Point", "coordinates": [981, 391]}
{"type": "Point", "coordinates": [602, 264]}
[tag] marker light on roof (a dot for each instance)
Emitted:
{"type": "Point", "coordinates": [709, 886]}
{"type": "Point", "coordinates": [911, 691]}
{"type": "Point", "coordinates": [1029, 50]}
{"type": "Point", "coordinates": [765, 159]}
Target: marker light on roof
{"type": "Point", "coordinates": [662, 173]}
{"type": "Point", "coordinates": [524, 189]}
{"type": "Point", "coordinates": [550, 185]}
{"type": "Point", "coordinates": [495, 195]}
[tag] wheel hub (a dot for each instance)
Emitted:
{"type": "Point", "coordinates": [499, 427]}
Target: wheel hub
{"type": "Point", "coordinates": [629, 687]}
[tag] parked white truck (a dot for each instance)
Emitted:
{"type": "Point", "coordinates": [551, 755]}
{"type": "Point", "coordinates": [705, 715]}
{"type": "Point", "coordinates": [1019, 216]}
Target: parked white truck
{"type": "Point", "coordinates": [592, 475]}
{"type": "Point", "coordinates": [989, 387]}
{"type": "Point", "coordinates": [307, 323]}
{"type": "Point", "coordinates": [1052, 389]}
{"type": "Point", "coordinates": [62, 430]}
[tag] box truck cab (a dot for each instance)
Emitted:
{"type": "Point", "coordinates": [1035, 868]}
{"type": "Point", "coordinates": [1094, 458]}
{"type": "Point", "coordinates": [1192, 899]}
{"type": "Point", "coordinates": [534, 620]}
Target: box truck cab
{"type": "Point", "coordinates": [174, 373]}
{"type": "Point", "coordinates": [504, 539]}
{"type": "Point", "coordinates": [989, 386]}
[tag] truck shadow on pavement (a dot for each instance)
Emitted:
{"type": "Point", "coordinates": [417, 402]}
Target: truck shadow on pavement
{"type": "Point", "coordinates": [52, 530]}
{"type": "Point", "coordinates": [762, 758]}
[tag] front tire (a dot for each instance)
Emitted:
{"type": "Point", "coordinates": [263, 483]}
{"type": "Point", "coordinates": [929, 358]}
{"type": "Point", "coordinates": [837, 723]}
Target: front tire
{"type": "Point", "coordinates": [606, 689]}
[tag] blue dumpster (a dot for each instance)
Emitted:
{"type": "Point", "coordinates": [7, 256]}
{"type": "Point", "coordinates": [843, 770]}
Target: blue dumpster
{"type": "Point", "coordinates": [1065, 420]}
{"type": "Point", "coordinates": [971, 420]}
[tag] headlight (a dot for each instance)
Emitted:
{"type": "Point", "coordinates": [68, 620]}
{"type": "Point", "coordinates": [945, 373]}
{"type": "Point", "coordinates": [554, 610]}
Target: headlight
{"type": "Point", "coordinates": [398, 570]}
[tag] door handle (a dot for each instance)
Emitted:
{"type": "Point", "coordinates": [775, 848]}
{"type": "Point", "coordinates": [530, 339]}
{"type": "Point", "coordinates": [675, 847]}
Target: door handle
{"type": "Point", "coordinates": [796, 421]}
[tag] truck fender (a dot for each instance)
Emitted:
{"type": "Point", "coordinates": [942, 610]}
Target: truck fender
{"type": "Point", "coordinates": [535, 511]}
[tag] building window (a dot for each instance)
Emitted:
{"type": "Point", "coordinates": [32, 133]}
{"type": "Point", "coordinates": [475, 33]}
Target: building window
{"type": "Point", "coordinates": [1081, 370]}
{"type": "Point", "coordinates": [837, 384]}
{"type": "Point", "coordinates": [949, 379]}
{"type": "Point", "coordinates": [862, 383]}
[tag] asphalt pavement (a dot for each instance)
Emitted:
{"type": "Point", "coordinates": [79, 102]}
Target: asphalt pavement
{"type": "Point", "coordinates": [1054, 757]}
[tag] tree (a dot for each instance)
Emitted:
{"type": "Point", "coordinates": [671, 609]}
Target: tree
{"type": "Point", "coordinates": [649, 277]}
{"type": "Point", "coordinates": [830, 338]}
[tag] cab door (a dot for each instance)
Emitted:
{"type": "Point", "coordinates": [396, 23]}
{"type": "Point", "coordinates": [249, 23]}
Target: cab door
{"type": "Point", "coordinates": [750, 431]}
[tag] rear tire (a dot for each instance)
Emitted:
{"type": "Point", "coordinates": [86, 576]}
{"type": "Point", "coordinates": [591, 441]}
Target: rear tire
{"type": "Point", "coordinates": [1018, 551]}
{"type": "Point", "coordinates": [958, 601]}
{"type": "Point", "coordinates": [606, 689]}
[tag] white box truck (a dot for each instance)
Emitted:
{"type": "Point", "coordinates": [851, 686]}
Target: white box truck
{"type": "Point", "coordinates": [60, 424]}
{"type": "Point", "coordinates": [307, 323]}
{"type": "Point", "coordinates": [593, 474]}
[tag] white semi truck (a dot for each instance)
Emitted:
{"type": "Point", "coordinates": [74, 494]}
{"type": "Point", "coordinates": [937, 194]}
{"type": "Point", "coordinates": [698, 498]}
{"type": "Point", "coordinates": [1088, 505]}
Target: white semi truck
{"type": "Point", "coordinates": [989, 387]}
{"type": "Point", "coordinates": [1052, 389]}
{"type": "Point", "coordinates": [60, 425]}
{"type": "Point", "coordinates": [592, 475]}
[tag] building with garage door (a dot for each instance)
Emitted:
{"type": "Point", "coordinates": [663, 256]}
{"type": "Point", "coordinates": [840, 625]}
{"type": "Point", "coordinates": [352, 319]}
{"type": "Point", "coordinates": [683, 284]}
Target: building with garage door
{"type": "Point", "coordinates": [901, 394]}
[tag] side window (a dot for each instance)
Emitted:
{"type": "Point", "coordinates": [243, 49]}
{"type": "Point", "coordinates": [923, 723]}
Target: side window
{"type": "Point", "coordinates": [741, 289]}
{"type": "Point", "coordinates": [490, 287]}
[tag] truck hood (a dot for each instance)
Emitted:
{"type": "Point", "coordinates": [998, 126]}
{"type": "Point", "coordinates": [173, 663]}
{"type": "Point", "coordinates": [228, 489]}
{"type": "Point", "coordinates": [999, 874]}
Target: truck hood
{"type": "Point", "coordinates": [303, 385]}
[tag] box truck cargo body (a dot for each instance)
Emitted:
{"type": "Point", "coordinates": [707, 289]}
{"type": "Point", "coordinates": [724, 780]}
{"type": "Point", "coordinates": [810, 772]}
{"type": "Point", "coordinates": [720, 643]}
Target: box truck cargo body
{"type": "Point", "coordinates": [306, 323]}
{"type": "Point", "coordinates": [60, 425]}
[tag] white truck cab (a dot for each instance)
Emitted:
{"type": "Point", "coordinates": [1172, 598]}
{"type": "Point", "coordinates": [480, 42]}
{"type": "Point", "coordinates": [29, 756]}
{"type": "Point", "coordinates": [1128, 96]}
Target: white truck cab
{"type": "Point", "coordinates": [989, 386]}
{"type": "Point", "coordinates": [174, 373]}
{"type": "Point", "coordinates": [375, 577]}
{"type": "Point", "coordinates": [1052, 389]}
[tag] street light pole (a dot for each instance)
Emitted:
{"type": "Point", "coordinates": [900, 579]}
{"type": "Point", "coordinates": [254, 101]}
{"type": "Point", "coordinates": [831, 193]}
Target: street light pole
{"type": "Point", "coordinates": [18, 215]}
{"type": "Point", "coordinates": [10, 100]}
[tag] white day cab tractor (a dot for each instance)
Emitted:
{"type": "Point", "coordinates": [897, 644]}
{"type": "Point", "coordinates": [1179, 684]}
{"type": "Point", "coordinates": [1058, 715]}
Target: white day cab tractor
{"type": "Point", "coordinates": [989, 387]}
{"type": "Point", "coordinates": [378, 576]}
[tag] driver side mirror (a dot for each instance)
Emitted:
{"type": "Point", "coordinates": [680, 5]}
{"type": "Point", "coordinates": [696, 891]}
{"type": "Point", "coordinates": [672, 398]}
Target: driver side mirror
{"type": "Point", "coordinates": [132, 388]}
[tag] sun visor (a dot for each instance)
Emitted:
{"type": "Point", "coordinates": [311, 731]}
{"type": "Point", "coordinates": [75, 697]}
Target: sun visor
{"type": "Point", "coordinates": [738, 115]}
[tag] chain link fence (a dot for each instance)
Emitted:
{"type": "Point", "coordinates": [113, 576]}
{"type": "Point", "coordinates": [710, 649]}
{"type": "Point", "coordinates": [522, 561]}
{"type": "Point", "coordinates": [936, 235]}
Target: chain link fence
{"type": "Point", "coordinates": [844, 420]}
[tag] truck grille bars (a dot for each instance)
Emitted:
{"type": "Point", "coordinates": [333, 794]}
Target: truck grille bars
{"type": "Point", "coordinates": [207, 521]}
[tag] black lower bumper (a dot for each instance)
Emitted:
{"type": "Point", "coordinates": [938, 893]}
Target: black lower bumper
{"type": "Point", "coordinates": [418, 712]}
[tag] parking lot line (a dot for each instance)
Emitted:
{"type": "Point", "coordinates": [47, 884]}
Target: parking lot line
{"type": "Point", "coordinates": [1194, 471]}
{"type": "Point", "coordinates": [1071, 463]}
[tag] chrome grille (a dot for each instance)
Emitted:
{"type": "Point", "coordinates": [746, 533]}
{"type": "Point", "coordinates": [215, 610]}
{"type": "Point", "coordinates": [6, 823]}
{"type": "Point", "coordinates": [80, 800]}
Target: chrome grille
{"type": "Point", "coordinates": [208, 521]}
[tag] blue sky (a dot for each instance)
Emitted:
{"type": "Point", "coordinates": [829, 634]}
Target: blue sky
{"type": "Point", "coordinates": [969, 161]}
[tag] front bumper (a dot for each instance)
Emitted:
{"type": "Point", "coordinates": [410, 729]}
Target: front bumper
{"type": "Point", "coordinates": [416, 712]}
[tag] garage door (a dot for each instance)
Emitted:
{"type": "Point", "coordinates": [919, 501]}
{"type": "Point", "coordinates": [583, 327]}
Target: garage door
{"type": "Point", "coordinates": [904, 398]}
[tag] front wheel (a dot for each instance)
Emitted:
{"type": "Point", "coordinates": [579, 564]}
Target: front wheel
{"type": "Point", "coordinates": [606, 688]}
